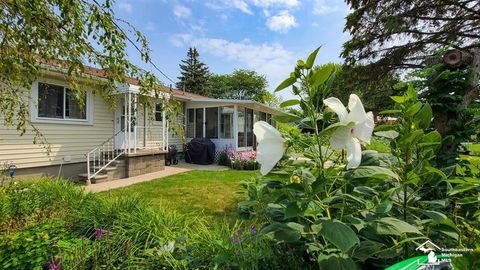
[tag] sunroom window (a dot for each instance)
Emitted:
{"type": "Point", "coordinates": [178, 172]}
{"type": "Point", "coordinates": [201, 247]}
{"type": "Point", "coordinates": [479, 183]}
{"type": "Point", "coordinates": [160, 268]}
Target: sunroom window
{"type": "Point", "coordinates": [59, 102]}
{"type": "Point", "coordinates": [226, 122]}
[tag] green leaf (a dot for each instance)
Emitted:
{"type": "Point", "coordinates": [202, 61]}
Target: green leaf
{"type": "Point", "coordinates": [286, 83]}
{"type": "Point", "coordinates": [436, 216]}
{"type": "Point", "coordinates": [289, 232]}
{"type": "Point", "coordinates": [398, 99]}
{"type": "Point", "coordinates": [410, 138]}
{"type": "Point", "coordinates": [384, 207]}
{"type": "Point", "coordinates": [413, 109]}
{"type": "Point", "coordinates": [423, 118]}
{"type": "Point", "coordinates": [311, 58]}
{"type": "Point", "coordinates": [292, 210]}
{"type": "Point", "coordinates": [390, 134]}
{"type": "Point", "coordinates": [330, 129]}
{"type": "Point", "coordinates": [366, 249]}
{"type": "Point", "coordinates": [285, 117]}
{"type": "Point", "coordinates": [371, 172]}
{"type": "Point", "coordinates": [288, 103]}
{"type": "Point", "coordinates": [339, 234]}
{"type": "Point", "coordinates": [393, 226]}
{"type": "Point", "coordinates": [287, 235]}
{"type": "Point", "coordinates": [370, 158]}
{"type": "Point", "coordinates": [436, 171]}
{"type": "Point", "coordinates": [335, 262]}
{"type": "Point", "coordinates": [321, 75]}
{"type": "Point", "coordinates": [411, 93]}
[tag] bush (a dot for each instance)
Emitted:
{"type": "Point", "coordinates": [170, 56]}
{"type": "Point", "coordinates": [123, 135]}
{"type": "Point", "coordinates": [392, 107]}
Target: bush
{"type": "Point", "coordinates": [223, 158]}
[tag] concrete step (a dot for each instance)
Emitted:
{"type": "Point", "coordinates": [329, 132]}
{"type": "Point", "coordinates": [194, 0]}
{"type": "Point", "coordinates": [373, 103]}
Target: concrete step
{"type": "Point", "coordinates": [116, 170]}
{"type": "Point", "coordinates": [99, 178]}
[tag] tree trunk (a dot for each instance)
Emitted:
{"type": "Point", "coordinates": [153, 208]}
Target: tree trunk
{"type": "Point", "coordinates": [472, 94]}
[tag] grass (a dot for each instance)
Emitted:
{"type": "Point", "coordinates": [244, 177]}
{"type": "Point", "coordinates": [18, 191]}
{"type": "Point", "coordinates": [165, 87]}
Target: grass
{"type": "Point", "coordinates": [211, 194]}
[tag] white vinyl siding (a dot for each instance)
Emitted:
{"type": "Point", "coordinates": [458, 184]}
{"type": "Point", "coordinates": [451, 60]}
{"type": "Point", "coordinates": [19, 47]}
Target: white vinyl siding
{"type": "Point", "coordinates": [67, 140]}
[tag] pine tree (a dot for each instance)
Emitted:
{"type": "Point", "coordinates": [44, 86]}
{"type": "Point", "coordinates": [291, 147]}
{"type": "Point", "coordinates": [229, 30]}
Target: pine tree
{"type": "Point", "coordinates": [194, 74]}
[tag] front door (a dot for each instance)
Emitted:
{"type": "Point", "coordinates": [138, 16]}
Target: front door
{"type": "Point", "coordinates": [120, 127]}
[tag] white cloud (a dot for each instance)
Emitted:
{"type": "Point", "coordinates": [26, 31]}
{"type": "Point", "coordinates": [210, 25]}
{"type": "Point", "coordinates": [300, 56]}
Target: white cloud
{"type": "Point", "coordinates": [271, 59]}
{"type": "Point", "coordinates": [241, 5]}
{"type": "Point", "coordinates": [276, 3]}
{"type": "Point", "coordinates": [244, 5]}
{"type": "Point", "coordinates": [322, 7]}
{"type": "Point", "coordinates": [181, 11]}
{"type": "Point", "coordinates": [282, 22]}
{"type": "Point", "coordinates": [125, 6]}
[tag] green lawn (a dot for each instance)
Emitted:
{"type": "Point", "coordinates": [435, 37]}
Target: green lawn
{"type": "Point", "coordinates": [211, 194]}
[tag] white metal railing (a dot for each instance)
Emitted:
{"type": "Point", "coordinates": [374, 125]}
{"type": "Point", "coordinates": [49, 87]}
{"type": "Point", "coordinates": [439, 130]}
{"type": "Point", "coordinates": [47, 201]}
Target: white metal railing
{"type": "Point", "coordinates": [102, 156]}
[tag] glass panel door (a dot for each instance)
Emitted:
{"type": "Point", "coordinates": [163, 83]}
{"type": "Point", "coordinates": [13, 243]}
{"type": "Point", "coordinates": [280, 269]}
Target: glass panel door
{"type": "Point", "coordinates": [249, 127]}
{"type": "Point", "coordinates": [211, 122]}
{"type": "Point", "coordinates": [199, 123]}
{"type": "Point", "coordinates": [241, 127]}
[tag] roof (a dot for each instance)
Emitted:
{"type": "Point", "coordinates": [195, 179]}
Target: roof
{"type": "Point", "coordinates": [235, 101]}
{"type": "Point", "coordinates": [102, 73]}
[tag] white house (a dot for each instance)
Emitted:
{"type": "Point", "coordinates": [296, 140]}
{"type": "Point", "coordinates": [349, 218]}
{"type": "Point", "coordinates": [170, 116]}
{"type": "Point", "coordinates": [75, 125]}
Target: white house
{"type": "Point", "coordinates": [98, 142]}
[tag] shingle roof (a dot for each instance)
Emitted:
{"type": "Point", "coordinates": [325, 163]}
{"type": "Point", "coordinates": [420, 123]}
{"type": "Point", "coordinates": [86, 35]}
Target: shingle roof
{"type": "Point", "coordinates": [102, 73]}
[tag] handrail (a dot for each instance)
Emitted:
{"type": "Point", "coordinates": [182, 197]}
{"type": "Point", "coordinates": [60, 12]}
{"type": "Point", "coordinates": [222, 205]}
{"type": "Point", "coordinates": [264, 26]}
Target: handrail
{"type": "Point", "coordinates": [107, 140]}
{"type": "Point", "coordinates": [102, 156]}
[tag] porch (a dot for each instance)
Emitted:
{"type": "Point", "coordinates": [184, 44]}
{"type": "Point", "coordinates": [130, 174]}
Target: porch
{"type": "Point", "coordinates": [138, 146]}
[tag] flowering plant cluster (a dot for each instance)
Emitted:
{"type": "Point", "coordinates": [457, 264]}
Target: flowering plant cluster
{"type": "Point", "coordinates": [244, 160]}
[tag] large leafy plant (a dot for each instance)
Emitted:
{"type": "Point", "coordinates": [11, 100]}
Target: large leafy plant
{"type": "Point", "coordinates": [335, 214]}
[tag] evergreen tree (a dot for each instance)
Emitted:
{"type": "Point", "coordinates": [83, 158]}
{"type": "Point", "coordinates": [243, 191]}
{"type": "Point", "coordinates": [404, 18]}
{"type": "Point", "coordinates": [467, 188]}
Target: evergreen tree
{"type": "Point", "coordinates": [195, 74]}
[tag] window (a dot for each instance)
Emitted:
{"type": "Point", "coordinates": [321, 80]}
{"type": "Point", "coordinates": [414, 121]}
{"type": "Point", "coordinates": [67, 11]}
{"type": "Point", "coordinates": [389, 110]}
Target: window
{"type": "Point", "coordinates": [241, 127]}
{"type": "Point", "coordinates": [199, 123]}
{"type": "Point", "coordinates": [263, 116]}
{"type": "Point", "coordinates": [226, 122]}
{"type": "Point", "coordinates": [191, 123]}
{"type": "Point", "coordinates": [269, 118]}
{"type": "Point", "coordinates": [211, 123]}
{"type": "Point", "coordinates": [59, 102]}
{"type": "Point", "coordinates": [249, 127]}
{"type": "Point", "coordinates": [158, 112]}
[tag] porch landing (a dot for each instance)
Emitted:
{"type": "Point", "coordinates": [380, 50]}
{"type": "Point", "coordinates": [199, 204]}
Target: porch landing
{"type": "Point", "coordinates": [169, 170]}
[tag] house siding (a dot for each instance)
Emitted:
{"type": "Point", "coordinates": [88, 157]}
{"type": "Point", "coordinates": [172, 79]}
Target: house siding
{"type": "Point", "coordinates": [73, 140]}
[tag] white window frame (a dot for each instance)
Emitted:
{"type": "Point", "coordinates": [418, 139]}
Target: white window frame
{"type": "Point", "coordinates": [155, 112]}
{"type": "Point", "coordinates": [47, 120]}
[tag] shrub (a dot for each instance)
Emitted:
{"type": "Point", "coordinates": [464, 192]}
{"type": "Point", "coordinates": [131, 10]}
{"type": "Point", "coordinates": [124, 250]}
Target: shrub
{"type": "Point", "coordinates": [223, 158]}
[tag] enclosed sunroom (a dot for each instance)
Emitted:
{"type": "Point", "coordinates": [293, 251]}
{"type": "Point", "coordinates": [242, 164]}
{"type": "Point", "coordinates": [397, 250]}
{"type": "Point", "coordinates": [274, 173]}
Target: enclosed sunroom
{"type": "Point", "coordinates": [227, 123]}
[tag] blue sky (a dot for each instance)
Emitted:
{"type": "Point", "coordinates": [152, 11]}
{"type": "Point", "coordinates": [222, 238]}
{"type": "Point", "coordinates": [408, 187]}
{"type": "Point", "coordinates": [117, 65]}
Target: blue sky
{"type": "Point", "coordinates": [266, 36]}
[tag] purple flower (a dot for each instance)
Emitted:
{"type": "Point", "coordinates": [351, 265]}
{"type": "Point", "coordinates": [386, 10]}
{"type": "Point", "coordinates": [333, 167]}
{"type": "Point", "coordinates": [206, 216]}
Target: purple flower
{"type": "Point", "coordinates": [236, 240]}
{"type": "Point", "coordinates": [99, 234]}
{"type": "Point", "coordinates": [253, 229]}
{"type": "Point", "coordinates": [239, 232]}
{"type": "Point", "coordinates": [54, 263]}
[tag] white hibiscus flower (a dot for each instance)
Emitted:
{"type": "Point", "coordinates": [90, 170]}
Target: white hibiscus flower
{"type": "Point", "coordinates": [270, 147]}
{"type": "Point", "coordinates": [349, 136]}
